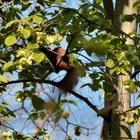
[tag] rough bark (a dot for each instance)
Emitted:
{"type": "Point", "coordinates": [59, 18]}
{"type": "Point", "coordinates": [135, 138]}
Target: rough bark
{"type": "Point", "coordinates": [109, 10]}
{"type": "Point", "coordinates": [137, 129]}
{"type": "Point", "coordinates": [122, 7]}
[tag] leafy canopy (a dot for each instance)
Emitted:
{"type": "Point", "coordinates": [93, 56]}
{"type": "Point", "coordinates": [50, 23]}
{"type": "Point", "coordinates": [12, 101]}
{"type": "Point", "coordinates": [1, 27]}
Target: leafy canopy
{"type": "Point", "coordinates": [27, 25]}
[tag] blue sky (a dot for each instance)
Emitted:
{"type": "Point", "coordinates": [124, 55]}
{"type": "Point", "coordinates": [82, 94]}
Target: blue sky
{"type": "Point", "coordinates": [84, 115]}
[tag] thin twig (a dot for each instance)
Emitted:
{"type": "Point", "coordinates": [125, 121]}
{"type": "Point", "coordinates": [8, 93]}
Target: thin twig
{"type": "Point", "coordinates": [92, 106]}
{"type": "Point", "coordinates": [133, 108]}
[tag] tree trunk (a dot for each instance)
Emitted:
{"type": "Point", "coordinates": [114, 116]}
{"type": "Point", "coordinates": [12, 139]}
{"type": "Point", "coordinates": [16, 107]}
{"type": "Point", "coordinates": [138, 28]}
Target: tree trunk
{"type": "Point", "coordinates": [122, 7]}
{"type": "Point", "coordinates": [137, 129]}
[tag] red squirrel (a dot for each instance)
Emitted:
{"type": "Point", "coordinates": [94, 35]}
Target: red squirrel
{"type": "Point", "coordinates": [60, 61]}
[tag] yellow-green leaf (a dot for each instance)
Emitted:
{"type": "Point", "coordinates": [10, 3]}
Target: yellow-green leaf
{"type": "Point", "coordinates": [111, 71]}
{"type": "Point", "coordinates": [110, 63]}
{"type": "Point", "coordinates": [37, 19]}
{"type": "Point", "coordinates": [57, 1]}
{"type": "Point", "coordinates": [26, 33]}
{"type": "Point", "coordinates": [10, 40]}
{"type": "Point", "coordinates": [7, 66]}
{"type": "Point", "coordinates": [3, 79]}
{"type": "Point", "coordinates": [1, 108]}
{"type": "Point", "coordinates": [123, 71]}
{"type": "Point", "coordinates": [130, 86]}
{"type": "Point", "coordinates": [38, 57]}
{"type": "Point", "coordinates": [9, 24]}
{"type": "Point", "coordinates": [32, 46]}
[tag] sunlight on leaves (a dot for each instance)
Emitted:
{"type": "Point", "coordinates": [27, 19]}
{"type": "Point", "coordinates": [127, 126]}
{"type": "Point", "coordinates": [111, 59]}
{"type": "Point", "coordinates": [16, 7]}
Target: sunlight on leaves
{"type": "Point", "coordinates": [10, 40]}
{"type": "Point", "coordinates": [3, 79]}
{"type": "Point", "coordinates": [7, 66]}
{"type": "Point", "coordinates": [26, 33]}
{"type": "Point", "coordinates": [38, 57]}
{"type": "Point", "coordinates": [37, 19]}
{"type": "Point", "coordinates": [110, 63]}
{"type": "Point", "coordinates": [10, 23]}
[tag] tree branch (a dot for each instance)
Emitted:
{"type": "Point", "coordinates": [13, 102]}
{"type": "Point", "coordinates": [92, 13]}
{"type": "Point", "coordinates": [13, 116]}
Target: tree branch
{"type": "Point", "coordinates": [85, 100]}
{"type": "Point", "coordinates": [116, 29]}
{"type": "Point", "coordinates": [133, 108]}
{"type": "Point", "coordinates": [56, 84]}
{"type": "Point", "coordinates": [109, 10]}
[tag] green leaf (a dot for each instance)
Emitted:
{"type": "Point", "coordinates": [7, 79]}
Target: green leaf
{"type": "Point", "coordinates": [115, 41]}
{"type": "Point", "coordinates": [81, 72]}
{"type": "Point", "coordinates": [37, 19]}
{"type": "Point", "coordinates": [136, 4]}
{"type": "Point", "coordinates": [40, 133]}
{"type": "Point", "coordinates": [9, 24]}
{"type": "Point", "coordinates": [65, 114]}
{"type": "Point", "coordinates": [1, 108]}
{"type": "Point", "coordinates": [110, 63]}
{"type": "Point", "coordinates": [98, 1]}
{"type": "Point", "coordinates": [9, 112]}
{"type": "Point", "coordinates": [7, 66]}
{"type": "Point", "coordinates": [34, 116]}
{"type": "Point", "coordinates": [32, 46]}
{"type": "Point", "coordinates": [130, 86]}
{"type": "Point", "coordinates": [26, 33]}
{"type": "Point", "coordinates": [3, 79]}
{"type": "Point", "coordinates": [97, 46]}
{"type": "Point", "coordinates": [128, 18]}
{"type": "Point", "coordinates": [68, 138]}
{"type": "Point", "coordinates": [112, 71]}
{"type": "Point", "coordinates": [123, 71]}
{"type": "Point", "coordinates": [5, 103]}
{"type": "Point", "coordinates": [57, 1]}
{"type": "Point", "coordinates": [62, 102]}
{"type": "Point", "coordinates": [38, 103]}
{"type": "Point", "coordinates": [97, 6]}
{"type": "Point", "coordinates": [10, 40]}
{"type": "Point", "coordinates": [95, 86]}
{"type": "Point", "coordinates": [72, 102]}
{"type": "Point", "coordinates": [20, 96]}
{"type": "Point", "coordinates": [42, 115]}
{"type": "Point", "coordinates": [127, 131]}
{"type": "Point", "coordinates": [77, 130]}
{"type": "Point", "coordinates": [19, 136]}
{"type": "Point", "coordinates": [138, 135]}
{"type": "Point", "coordinates": [25, 6]}
{"type": "Point", "coordinates": [38, 57]}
